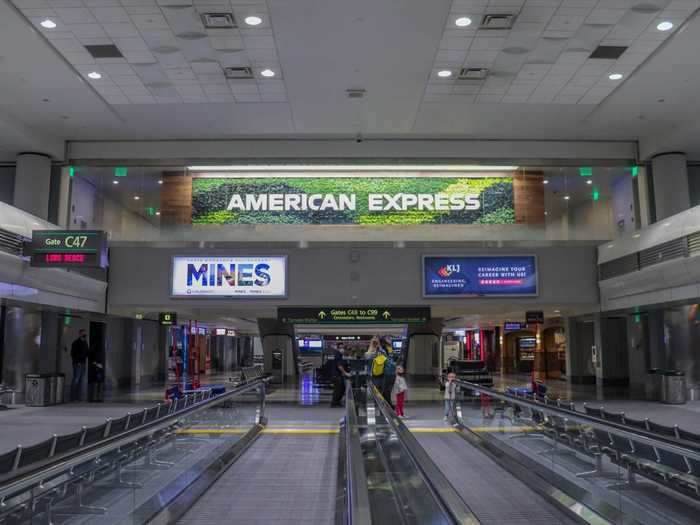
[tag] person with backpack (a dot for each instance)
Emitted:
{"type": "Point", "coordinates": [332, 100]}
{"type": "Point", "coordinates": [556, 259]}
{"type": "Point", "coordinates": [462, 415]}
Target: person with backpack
{"type": "Point", "coordinates": [389, 370]}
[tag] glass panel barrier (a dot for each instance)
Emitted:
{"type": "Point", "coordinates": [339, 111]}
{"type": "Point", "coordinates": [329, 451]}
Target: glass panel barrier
{"type": "Point", "coordinates": [133, 477]}
{"type": "Point", "coordinates": [598, 468]}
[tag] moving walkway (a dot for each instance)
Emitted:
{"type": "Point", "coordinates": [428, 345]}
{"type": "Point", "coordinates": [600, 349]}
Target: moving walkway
{"type": "Point", "coordinates": [214, 458]}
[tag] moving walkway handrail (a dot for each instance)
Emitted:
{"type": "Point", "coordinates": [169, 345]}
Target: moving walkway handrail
{"type": "Point", "coordinates": [358, 506]}
{"type": "Point", "coordinates": [45, 471]}
{"type": "Point", "coordinates": [687, 449]}
{"type": "Point", "coordinates": [446, 494]}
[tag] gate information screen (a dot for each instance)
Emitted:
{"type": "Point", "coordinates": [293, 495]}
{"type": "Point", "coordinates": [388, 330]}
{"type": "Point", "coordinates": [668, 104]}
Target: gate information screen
{"type": "Point", "coordinates": [456, 276]}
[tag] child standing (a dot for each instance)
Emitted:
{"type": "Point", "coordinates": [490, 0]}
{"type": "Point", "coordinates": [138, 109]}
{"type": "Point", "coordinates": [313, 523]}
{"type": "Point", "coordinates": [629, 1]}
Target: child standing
{"type": "Point", "coordinates": [450, 396]}
{"type": "Point", "coordinates": [399, 391]}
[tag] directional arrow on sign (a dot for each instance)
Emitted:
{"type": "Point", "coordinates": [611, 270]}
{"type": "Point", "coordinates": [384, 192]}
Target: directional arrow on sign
{"type": "Point", "coordinates": [322, 314]}
{"type": "Point", "coordinates": [386, 314]}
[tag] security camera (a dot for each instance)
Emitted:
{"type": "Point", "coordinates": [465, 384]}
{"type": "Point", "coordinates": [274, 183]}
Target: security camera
{"type": "Point", "coordinates": [358, 138]}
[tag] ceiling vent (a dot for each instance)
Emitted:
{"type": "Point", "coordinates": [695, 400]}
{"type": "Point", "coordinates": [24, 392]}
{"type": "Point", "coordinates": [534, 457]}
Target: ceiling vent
{"type": "Point", "coordinates": [497, 21]}
{"type": "Point", "coordinates": [104, 51]}
{"type": "Point", "coordinates": [608, 52]}
{"type": "Point", "coordinates": [355, 92]}
{"type": "Point", "coordinates": [218, 20]}
{"type": "Point", "coordinates": [473, 73]}
{"type": "Point", "coordinates": [238, 73]}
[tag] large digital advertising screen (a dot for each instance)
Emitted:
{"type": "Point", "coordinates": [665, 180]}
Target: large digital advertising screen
{"type": "Point", "coordinates": [229, 276]}
{"type": "Point", "coordinates": [455, 276]}
{"type": "Point", "coordinates": [353, 200]}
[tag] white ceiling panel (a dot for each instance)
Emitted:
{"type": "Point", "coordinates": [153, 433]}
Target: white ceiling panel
{"type": "Point", "coordinates": [552, 33]}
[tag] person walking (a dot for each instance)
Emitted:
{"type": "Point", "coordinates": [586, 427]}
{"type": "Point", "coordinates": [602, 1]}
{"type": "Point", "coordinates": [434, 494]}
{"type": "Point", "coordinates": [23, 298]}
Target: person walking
{"type": "Point", "coordinates": [450, 396]}
{"type": "Point", "coordinates": [399, 391]}
{"type": "Point", "coordinates": [79, 352]}
{"type": "Point", "coordinates": [340, 372]}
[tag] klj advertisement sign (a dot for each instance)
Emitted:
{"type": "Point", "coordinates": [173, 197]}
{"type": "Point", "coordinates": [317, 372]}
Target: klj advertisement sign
{"type": "Point", "coordinates": [229, 276]}
{"type": "Point", "coordinates": [452, 276]}
{"type": "Point", "coordinates": [353, 200]}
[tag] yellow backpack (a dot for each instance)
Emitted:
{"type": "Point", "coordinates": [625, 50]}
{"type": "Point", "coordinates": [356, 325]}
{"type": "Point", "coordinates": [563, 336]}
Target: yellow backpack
{"type": "Point", "coordinates": [378, 364]}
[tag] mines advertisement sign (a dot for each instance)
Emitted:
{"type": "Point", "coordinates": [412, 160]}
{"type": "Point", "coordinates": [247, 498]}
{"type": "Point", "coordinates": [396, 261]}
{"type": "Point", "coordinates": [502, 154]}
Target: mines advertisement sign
{"type": "Point", "coordinates": [353, 200]}
{"type": "Point", "coordinates": [451, 276]}
{"type": "Point", "coordinates": [229, 277]}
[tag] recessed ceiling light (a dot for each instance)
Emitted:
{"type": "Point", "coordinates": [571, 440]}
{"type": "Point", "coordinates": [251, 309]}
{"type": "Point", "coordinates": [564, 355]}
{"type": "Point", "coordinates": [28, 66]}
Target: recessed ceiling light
{"type": "Point", "coordinates": [48, 24]}
{"type": "Point", "coordinates": [94, 75]}
{"type": "Point", "coordinates": [615, 76]}
{"type": "Point", "coordinates": [445, 73]}
{"type": "Point", "coordinates": [160, 181]}
{"type": "Point", "coordinates": [665, 26]}
{"type": "Point", "coordinates": [589, 182]}
{"type": "Point", "coordinates": [545, 181]}
{"type": "Point", "coordinates": [253, 20]}
{"type": "Point", "coordinates": [463, 21]}
{"type": "Point", "coordinates": [115, 182]}
{"type": "Point", "coordinates": [566, 197]}
{"type": "Point", "coordinates": [637, 235]}
{"type": "Point", "coordinates": [267, 73]}
{"type": "Point", "coordinates": [158, 212]}
{"type": "Point", "coordinates": [136, 198]}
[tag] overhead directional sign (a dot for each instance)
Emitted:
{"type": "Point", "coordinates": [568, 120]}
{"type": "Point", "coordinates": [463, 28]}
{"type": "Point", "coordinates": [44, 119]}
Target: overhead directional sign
{"type": "Point", "coordinates": [354, 315]}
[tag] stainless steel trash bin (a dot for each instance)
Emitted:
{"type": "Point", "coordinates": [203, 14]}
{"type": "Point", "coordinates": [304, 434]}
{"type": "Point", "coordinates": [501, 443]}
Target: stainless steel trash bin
{"type": "Point", "coordinates": [652, 386]}
{"type": "Point", "coordinates": [60, 387]}
{"type": "Point", "coordinates": [673, 387]}
{"type": "Point", "coordinates": [37, 390]}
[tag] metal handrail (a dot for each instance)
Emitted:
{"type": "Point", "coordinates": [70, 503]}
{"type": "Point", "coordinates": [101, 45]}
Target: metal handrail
{"type": "Point", "coordinates": [47, 470]}
{"type": "Point", "coordinates": [687, 449]}
{"type": "Point", "coordinates": [358, 506]}
{"type": "Point", "coordinates": [446, 494]}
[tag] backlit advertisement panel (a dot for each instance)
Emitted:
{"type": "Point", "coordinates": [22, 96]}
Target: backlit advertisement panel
{"type": "Point", "coordinates": [455, 276]}
{"type": "Point", "coordinates": [212, 277]}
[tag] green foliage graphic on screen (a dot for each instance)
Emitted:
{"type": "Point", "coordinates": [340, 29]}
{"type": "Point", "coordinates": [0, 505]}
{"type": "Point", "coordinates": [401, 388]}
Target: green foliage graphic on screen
{"type": "Point", "coordinates": [353, 200]}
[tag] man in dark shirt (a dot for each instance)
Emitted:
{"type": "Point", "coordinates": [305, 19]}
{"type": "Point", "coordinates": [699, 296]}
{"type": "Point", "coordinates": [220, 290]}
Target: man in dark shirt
{"type": "Point", "coordinates": [340, 371]}
{"type": "Point", "coordinates": [79, 351]}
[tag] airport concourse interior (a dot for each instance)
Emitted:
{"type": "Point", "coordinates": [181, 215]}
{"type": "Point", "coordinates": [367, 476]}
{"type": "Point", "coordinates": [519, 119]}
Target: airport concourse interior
{"type": "Point", "coordinates": [349, 262]}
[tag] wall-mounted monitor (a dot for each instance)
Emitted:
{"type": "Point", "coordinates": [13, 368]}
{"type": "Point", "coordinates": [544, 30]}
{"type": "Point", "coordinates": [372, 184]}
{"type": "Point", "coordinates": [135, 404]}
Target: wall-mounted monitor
{"type": "Point", "coordinates": [480, 276]}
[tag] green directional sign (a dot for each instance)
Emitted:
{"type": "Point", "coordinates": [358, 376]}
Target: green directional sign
{"type": "Point", "coordinates": [355, 315]}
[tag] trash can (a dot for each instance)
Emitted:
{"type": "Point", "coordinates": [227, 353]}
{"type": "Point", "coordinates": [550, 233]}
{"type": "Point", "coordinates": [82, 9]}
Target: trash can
{"type": "Point", "coordinates": [60, 388]}
{"type": "Point", "coordinates": [37, 390]}
{"type": "Point", "coordinates": [673, 387]}
{"type": "Point", "coordinates": [652, 386]}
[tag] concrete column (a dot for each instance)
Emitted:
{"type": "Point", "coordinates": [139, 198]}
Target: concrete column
{"type": "Point", "coordinates": [644, 199]}
{"type": "Point", "coordinates": [671, 190]}
{"type": "Point", "coordinates": [33, 184]}
{"type": "Point", "coordinates": [579, 340]}
{"type": "Point", "coordinates": [423, 349]}
{"type": "Point", "coordinates": [612, 365]}
{"type": "Point", "coordinates": [63, 206]}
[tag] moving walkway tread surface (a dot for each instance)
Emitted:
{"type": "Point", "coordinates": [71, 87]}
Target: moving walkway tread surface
{"type": "Point", "coordinates": [280, 479]}
{"type": "Point", "coordinates": [491, 492]}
